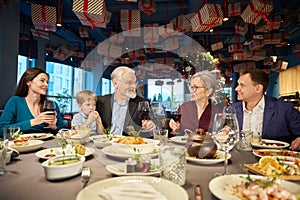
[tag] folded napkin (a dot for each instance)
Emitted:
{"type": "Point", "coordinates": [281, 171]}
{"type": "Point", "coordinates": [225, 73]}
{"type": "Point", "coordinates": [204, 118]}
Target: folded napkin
{"type": "Point", "coordinates": [132, 191]}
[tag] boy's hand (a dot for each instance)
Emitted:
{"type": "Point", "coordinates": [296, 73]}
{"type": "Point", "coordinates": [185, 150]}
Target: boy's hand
{"type": "Point", "coordinates": [92, 117]}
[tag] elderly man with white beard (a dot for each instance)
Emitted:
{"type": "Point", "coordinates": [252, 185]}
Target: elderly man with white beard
{"type": "Point", "coordinates": [120, 109]}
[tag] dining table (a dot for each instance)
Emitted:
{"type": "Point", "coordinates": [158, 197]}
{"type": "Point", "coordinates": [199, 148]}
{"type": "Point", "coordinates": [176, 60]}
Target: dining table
{"type": "Point", "coordinates": [25, 177]}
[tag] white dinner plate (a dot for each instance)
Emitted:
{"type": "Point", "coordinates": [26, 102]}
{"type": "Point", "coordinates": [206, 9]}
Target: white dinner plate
{"type": "Point", "coordinates": [42, 153]}
{"type": "Point", "coordinates": [222, 185]}
{"type": "Point", "coordinates": [271, 144]}
{"type": "Point", "coordinates": [33, 145]}
{"type": "Point", "coordinates": [109, 151]}
{"type": "Point", "coordinates": [275, 152]}
{"type": "Point", "coordinates": [36, 136]}
{"type": "Point", "coordinates": [119, 170]}
{"type": "Point", "coordinates": [179, 139]}
{"type": "Point", "coordinates": [207, 161]}
{"type": "Point", "coordinates": [167, 188]}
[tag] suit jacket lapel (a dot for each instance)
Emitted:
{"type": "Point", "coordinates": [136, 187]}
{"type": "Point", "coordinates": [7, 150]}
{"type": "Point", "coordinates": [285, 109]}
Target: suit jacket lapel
{"type": "Point", "coordinates": [268, 113]}
{"type": "Point", "coordinates": [111, 103]}
{"type": "Point", "coordinates": [239, 114]}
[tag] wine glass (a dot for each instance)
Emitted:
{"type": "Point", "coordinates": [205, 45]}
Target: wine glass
{"type": "Point", "coordinates": [225, 134]}
{"type": "Point", "coordinates": [49, 106]}
{"type": "Point", "coordinates": [160, 114]}
{"type": "Point", "coordinates": [144, 110]}
{"type": "Point", "coordinates": [175, 114]}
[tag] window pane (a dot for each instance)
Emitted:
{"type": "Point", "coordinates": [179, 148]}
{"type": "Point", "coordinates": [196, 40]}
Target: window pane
{"type": "Point", "coordinates": [106, 86]}
{"type": "Point", "coordinates": [22, 66]}
{"type": "Point", "coordinates": [60, 84]}
{"type": "Point", "coordinates": [165, 92]}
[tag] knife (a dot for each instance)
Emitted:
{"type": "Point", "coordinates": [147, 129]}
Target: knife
{"type": "Point", "coordinates": [198, 193]}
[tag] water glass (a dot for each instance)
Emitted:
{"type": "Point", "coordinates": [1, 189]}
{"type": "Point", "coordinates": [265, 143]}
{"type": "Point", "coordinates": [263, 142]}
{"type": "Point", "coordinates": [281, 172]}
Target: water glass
{"type": "Point", "coordinates": [3, 154]}
{"type": "Point", "coordinates": [8, 133]}
{"type": "Point", "coordinates": [161, 135]}
{"type": "Point", "coordinates": [173, 163]}
{"type": "Point", "coordinates": [245, 141]}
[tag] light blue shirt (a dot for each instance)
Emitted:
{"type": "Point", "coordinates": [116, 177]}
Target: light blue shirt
{"type": "Point", "coordinates": [118, 116]}
{"type": "Point", "coordinates": [80, 119]}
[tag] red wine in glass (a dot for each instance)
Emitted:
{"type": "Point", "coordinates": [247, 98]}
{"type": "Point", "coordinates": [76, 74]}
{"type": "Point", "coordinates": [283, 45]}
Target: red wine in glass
{"type": "Point", "coordinates": [144, 109]}
{"type": "Point", "coordinates": [175, 116]}
{"type": "Point", "coordinates": [49, 106]}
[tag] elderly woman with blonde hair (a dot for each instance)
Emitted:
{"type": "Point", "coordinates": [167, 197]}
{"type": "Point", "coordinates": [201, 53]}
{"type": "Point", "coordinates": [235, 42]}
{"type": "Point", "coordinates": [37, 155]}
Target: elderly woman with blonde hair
{"type": "Point", "coordinates": [199, 112]}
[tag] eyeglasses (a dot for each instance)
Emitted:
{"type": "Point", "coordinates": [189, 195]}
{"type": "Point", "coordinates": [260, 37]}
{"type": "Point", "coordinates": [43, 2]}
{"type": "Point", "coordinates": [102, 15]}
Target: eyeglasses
{"type": "Point", "coordinates": [195, 88]}
{"type": "Point", "coordinates": [128, 82]}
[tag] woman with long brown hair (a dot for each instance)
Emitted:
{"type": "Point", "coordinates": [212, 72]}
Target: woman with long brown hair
{"type": "Point", "coordinates": [25, 108]}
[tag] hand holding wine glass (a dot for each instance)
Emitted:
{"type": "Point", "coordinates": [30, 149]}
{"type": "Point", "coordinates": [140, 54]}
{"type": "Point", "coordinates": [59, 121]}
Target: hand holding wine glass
{"type": "Point", "coordinates": [175, 115]}
{"type": "Point", "coordinates": [225, 134]}
{"type": "Point", "coordinates": [49, 107]}
{"type": "Point", "coordinates": [144, 110]}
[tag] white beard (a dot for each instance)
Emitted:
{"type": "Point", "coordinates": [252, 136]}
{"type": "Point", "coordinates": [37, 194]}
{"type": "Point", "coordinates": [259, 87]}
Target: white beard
{"type": "Point", "coordinates": [131, 95]}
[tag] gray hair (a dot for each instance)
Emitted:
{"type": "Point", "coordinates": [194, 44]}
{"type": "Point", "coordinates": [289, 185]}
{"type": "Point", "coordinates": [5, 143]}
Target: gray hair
{"type": "Point", "coordinates": [210, 82]}
{"type": "Point", "coordinates": [120, 71]}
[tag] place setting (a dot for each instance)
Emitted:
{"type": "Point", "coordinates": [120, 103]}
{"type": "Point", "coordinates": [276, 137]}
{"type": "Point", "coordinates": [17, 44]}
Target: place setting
{"type": "Point", "coordinates": [137, 178]}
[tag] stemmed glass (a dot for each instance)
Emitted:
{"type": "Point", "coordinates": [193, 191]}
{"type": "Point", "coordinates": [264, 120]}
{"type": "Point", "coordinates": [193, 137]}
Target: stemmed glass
{"type": "Point", "coordinates": [160, 114]}
{"type": "Point", "coordinates": [225, 134]}
{"type": "Point", "coordinates": [144, 110]}
{"type": "Point", "coordinates": [175, 114]}
{"type": "Point", "coordinates": [49, 106]}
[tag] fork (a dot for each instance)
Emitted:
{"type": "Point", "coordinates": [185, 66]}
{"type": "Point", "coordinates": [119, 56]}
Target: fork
{"type": "Point", "coordinates": [85, 175]}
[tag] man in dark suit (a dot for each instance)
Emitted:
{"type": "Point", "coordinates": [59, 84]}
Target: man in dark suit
{"type": "Point", "coordinates": [267, 116]}
{"type": "Point", "coordinates": [120, 110]}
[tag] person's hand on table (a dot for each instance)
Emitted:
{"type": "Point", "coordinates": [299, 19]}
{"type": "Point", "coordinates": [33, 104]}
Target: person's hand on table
{"type": "Point", "coordinates": [148, 125]}
{"type": "Point", "coordinates": [174, 126]}
{"type": "Point", "coordinates": [295, 144]}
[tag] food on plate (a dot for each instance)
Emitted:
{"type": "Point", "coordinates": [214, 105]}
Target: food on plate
{"type": "Point", "coordinates": [280, 152]}
{"type": "Point", "coordinates": [33, 136]}
{"type": "Point", "coordinates": [66, 133]}
{"type": "Point", "coordinates": [270, 166]}
{"type": "Point", "coordinates": [21, 142]}
{"type": "Point", "coordinates": [131, 140]}
{"type": "Point", "coordinates": [64, 160]}
{"type": "Point", "coordinates": [80, 149]}
{"type": "Point", "coordinates": [50, 155]}
{"type": "Point", "coordinates": [269, 144]}
{"type": "Point", "coordinates": [261, 189]}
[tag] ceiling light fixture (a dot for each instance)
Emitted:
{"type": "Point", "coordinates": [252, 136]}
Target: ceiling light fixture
{"type": "Point", "coordinates": [59, 13]}
{"type": "Point", "coordinates": [225, 10]}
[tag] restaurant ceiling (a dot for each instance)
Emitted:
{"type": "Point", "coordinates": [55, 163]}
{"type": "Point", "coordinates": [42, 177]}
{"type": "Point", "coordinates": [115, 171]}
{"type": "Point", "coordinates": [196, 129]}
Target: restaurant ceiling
{"type": "Point", "coordinates": [166, 10]}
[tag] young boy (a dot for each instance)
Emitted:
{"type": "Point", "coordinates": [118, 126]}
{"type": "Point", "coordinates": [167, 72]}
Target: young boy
{"type": "Point", "coordinates": [88, 116]}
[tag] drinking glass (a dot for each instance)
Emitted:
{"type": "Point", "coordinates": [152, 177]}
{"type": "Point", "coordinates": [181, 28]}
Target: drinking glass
{"type": "Point", "coordinates": [49, 106]}
{"type": "Point", "coordinates": [144, 110]}
{"type": "Point", "coordinates": [225, 134]}
{"type": "Point", "coordinates": [245, 141]}
{"type": "Point", "coordinates": [11, 133]}
{"type": "Point", "coordinates": [175, 114]}
{"type": "Point", "coordinates": [173, 163]}
{"type": "Point", "coordinates": [160, 115]}
{"type": "Point", "coordinates": [161, 135]}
